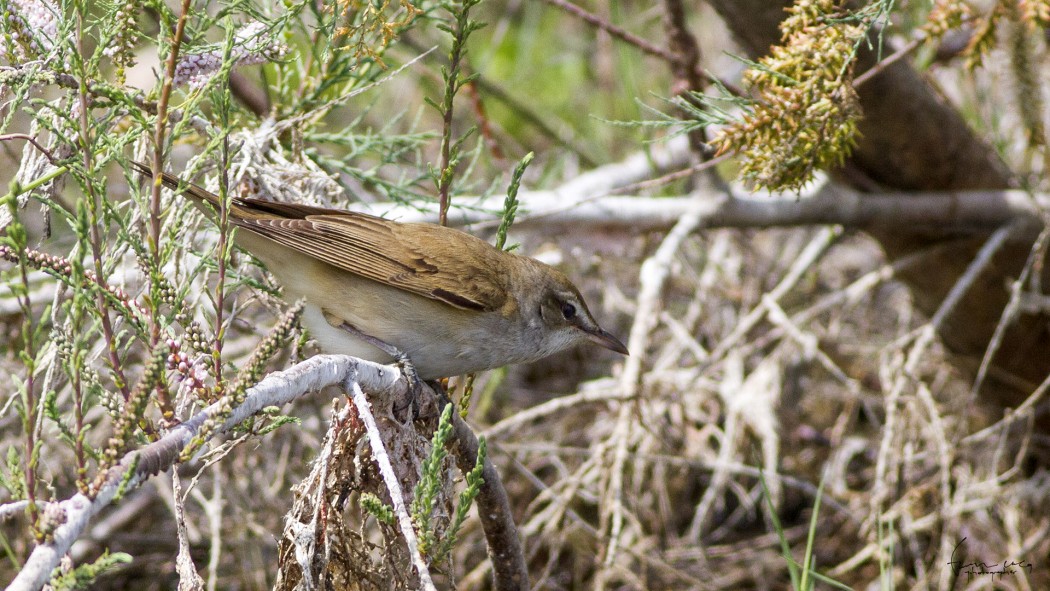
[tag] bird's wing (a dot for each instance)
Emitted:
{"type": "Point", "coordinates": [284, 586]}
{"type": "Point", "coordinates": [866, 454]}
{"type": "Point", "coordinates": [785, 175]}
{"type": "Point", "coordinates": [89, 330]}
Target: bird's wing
{"type": "Point", "coordinates": [431, 261]}
{"type": "Point", "coordinates": [434, 262]}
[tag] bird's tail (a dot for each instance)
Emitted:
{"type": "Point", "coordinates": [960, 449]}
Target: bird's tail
{"type": "Point", "coordinates": [199, 195]}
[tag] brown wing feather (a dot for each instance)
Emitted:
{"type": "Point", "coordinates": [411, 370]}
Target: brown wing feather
{"type": "Point", "coordinates": [441, 263]}
{"type": "Point", "coordinates": [413, 257]}
{"type": "Point", "coordinates": [424, 259]}
{"type": "Point", "coordinates": [291, 210]}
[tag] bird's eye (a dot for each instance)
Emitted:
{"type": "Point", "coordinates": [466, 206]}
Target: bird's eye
{"type": "Point", "coordinates": [568, 311]}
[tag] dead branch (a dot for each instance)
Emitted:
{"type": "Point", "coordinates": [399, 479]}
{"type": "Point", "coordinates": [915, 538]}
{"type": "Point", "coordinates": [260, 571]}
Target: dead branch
{"type": "Point", "coordinates": [943, 213]}
{"type": "Point", "coordinates": [404, 520]}
{"type": "Point", "coordinates": [501, 534]}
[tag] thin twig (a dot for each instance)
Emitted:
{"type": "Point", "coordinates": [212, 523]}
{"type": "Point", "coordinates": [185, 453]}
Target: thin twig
{"type": "Point", "coordinates": [672, 176]}
{"type": "Point", "coordinates": [976, 267]}
{"type": "Point", "coordinates": [1021, 412]}
{"type": "Point", "coordinates": [632, 39]}
{"type": "Point", "coordinates": [617, 32]}
{"type": "Point", "coordinates": [809, 257]}
{"type": "Point", "coordinates": [23, 136]}
{"type": "Point", "coordinates": [453, 82]}
{"type": "Point", "coordinates": [564, 505]}
{"type": "Point", "coordinates": [653, 277]}
{"type": "Point", "coordinates": [890, 59]}
{"type": "Point", "coordinates": [222, 255]}
{"type": "Point", "coordinates": [1011, 309]}
{"type": "Point", "coordinates": [160, 129]}
{"type": "Point", "coordinates": [688, 79]}
{"type": "Point", "coordinates": [95, 232]}
{"type": "Point", "coordinates": [159, 132]}
{"type": "Point", "coordinates": [200, 124]}
{"type": "Point", "coordinates": [386, 469]}
{"type": "Point", "coordinates": [552, 407]}
{"type": "Point", "coordinates": [904, 371]}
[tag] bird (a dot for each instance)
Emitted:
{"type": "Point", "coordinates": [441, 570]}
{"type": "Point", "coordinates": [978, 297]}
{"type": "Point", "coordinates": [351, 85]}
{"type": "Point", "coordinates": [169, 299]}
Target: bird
{"type": "Point", "coordinates": [384, 291]}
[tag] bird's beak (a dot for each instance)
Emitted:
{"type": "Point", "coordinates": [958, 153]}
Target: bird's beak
{"type": "Point", "coordinates": [604, 339]}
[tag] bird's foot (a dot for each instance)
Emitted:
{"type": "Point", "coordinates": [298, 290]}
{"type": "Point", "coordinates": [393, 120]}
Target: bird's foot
{"type": "Point", "coordinates": [403, 362]}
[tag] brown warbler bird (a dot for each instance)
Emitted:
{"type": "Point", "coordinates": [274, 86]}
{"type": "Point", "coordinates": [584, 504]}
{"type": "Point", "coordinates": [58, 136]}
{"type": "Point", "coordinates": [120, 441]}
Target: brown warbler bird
{"type": "Point", "coordinates": [374, 288]}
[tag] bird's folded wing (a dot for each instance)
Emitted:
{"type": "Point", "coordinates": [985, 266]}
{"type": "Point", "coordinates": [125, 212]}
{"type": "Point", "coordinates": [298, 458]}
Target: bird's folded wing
{"type": "Point", "coordinates": [405, 257]}
{"type": "Point", "coordinates": [420, 258]}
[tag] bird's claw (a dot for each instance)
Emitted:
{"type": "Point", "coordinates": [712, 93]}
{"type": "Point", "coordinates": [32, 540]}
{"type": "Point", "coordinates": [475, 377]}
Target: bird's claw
{"type": "Point", "coordinates": [401, 359]}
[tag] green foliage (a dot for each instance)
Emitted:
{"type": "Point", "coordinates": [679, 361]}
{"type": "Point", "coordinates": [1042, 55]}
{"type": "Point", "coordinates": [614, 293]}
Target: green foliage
{"type": "Point", "coordinates": [15, 242]}
{"type": "Point", "coordinates": [945, 16]}
{"type": "Point", "coordinates": [1025, 66]}
{"type": "Point", "coordinates": [12, 478]}
{"type": "Point", "coordinates": [253, 371]}
{"type": "Point", "coordinates": [369, 27]}
{"type": "Point", "coordinates": [439, 546]}
{"type": "Point", "coordinates": [430, 482]}
{"type": "Point", "coordinates": [275, 420]}
{"type": "Point", "coordinates": [804, 575]}
{"type": "Point", "coordinates": [146, 330]}
{"type": "Point", "coordinates": [126, 478]}
{"type": "Point", "coordinates": [141, 304]}
{"type": "Point", "coordinates": [886, 536]}
{"type": "Point", "coordinates": [510, 204]}
{"type": "Point", "coordinates": [83, 575]}
{"type": "Point", "coordinates": [467, 396]}
{"type": "Point", "coordinates": [474, 481]}
{"type": "Point", "coordinates": [375, 507]}
{"type": "Point", "coordinates": [451, 147]}
{"type": "Point", "coordinates": [127, 422]}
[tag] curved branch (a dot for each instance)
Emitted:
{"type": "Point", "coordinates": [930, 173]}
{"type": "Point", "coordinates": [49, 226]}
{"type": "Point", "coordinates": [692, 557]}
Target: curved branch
{"type": "Point", "coordinates": [136, 467]}
{"type": "Point", "coordinates": [277, 389]}
{"type": "Point", "coordinates": [497, 519]}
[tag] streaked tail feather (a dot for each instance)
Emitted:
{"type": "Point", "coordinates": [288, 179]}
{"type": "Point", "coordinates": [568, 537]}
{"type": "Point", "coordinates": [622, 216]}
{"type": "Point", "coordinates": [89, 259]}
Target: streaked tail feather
{"type": "Point", "coordinates": [244, 209]}
{"type": "Point", "coordinates": [198, 194]}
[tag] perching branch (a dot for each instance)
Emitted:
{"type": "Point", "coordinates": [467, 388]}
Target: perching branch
{"type": "Point", "coordinates": [136, 467]}
{"type": "Point", "coordinates": [277, 389]}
